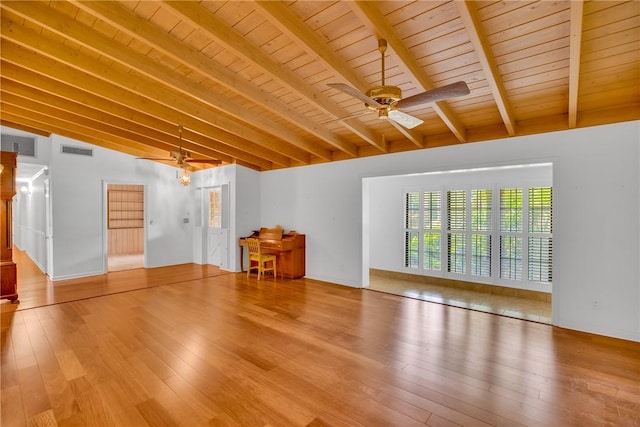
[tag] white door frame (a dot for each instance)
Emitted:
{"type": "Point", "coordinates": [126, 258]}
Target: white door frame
{"type": "Point", "coordinates": [48, 227]}
{"type": "Point", "coordinates": [105, 223]}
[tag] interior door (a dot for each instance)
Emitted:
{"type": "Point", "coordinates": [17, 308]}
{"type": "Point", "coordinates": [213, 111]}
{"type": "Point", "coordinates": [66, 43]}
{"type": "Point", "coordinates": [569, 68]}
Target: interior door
{"type": "Point", "coordinates": [216, 231]}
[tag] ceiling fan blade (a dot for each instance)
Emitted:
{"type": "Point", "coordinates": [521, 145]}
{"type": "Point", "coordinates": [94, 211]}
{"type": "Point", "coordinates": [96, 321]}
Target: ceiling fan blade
{"type": "Point", "coordinates": [404, 119]}
{"type": "Point", "coordinates": [155, 158]}
{"type": "Point", "coordinates": [210, 161]}
{"type": "Point", "coordinates": [449, 91]}
{"type": "Point", "coordinates": [355, 93]}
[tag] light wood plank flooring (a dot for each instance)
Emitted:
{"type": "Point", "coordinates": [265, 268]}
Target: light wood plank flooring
{"type": "Point", "coordinates": [125, 262]}
{"type": "Point", "coordinates": [35, 289]}
{"type": "Point", "coordinates": [230, 351]}
{"type": "Point", "coordinates": [504, 305]}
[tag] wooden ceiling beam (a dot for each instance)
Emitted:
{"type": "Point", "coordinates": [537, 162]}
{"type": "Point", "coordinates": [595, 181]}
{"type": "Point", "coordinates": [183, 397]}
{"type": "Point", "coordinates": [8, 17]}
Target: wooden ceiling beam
{"type": "Point", "coordinates": [43, 74]}
{"type": "Point", "coordinates": [188, 95]}
{"type": "Point", "coordinates": [575, 44]}
{"type": "Point", "coordinates": [293, 27]}
{"type": "Point", "coordinates": [417, 138]}
{"type": "Point", "coordinates": [114, 124]}
{"type": "Point", "coordinates": [281, 16]}
{"type": "Point", "coordinates": [372, 18]}
{"type": "Point", "coordinates": [87, 76]}
{"type": "Point", "coordinates": [158, 39]}
{"type": "Point", "coordinates": [74, 130]}
{"type": "Point", "coordinates": [31, 80]}
{"type": "Point", "coordinates": [471, 20]}
{"type": "Point", "coordinates": [234, 42]}
{"type": "Point", "coordinates": [76, 122]}
{"type": "Point", "coordinates": [35, 120]}
{"type": "Point", "coordinates": [24, 128]}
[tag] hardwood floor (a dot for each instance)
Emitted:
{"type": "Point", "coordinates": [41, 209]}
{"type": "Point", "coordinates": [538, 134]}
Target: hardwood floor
{"type": "Point", "coordinates": [230, 351]}
{"type": "Point", "coordinates": [35, 289]}
{"type": "Point", "coordinates": [125, 262]}
{"type": "Point", "coordinates": [531, 309]}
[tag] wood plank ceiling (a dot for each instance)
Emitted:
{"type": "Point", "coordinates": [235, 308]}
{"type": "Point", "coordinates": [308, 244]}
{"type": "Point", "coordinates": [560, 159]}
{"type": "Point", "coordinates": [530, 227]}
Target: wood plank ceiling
{"type": "Point", "coordinates": [248, 81]}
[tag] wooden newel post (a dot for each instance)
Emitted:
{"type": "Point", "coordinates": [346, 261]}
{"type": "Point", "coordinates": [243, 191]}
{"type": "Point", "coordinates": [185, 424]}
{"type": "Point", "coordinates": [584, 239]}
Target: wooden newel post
{"type": "Point", "coordinates": [8, 275]}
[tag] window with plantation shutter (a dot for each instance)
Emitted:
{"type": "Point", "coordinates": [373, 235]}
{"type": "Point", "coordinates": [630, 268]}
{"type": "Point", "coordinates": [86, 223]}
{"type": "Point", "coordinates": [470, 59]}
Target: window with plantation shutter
{"type": "Point", "coordinates": [540, 256]}
{"type": "Point", "coordinates": [456, 224]}
{"type": "Point", "coordinates": [511, 233]}
{"type": "Point", "coordinates": [499, 235]}
{"type": "Point", "coordinates": [412, 226]}
{"type": "Point", "coordinates": [540, 245]}
{"type": "Point", "coordinates": [481, 220]}
{"type": "Point", "coordinates": [432, 225]}
{"type": "Point", "coordinates": [511, 210]}
{"type": "Point", "coordinates": [456, 210]}
{"type": "Point", "coordinates": [511, 257]}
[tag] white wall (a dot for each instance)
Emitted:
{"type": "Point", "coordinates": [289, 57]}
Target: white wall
{"type": "Point", "coordinates": [596, 190]}
{"type": "Point", "coordinates": [78, 197]}
{"type": "Point", "coordinates": [324, 203]}
{"type": "Point", "coordinates": [246, 212]}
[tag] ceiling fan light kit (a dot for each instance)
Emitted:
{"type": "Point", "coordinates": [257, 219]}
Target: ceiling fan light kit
{"type": "Point", "coordinates": [387, 100]}
{"type": "Point", "coordinates": [184, 177]}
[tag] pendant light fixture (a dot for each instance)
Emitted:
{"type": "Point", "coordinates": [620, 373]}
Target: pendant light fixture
{"type": "Point", "coordinates": [184, 177]}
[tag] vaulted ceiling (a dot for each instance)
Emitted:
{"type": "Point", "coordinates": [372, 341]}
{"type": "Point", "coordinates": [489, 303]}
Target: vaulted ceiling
{"type": "Point", "coordinates": [248, 81]}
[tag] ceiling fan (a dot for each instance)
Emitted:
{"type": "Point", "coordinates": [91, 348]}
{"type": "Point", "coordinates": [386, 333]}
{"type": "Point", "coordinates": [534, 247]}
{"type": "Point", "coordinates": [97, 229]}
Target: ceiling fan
{"type": "Point", "coordinates": [387, 100]}
{"type": "Point", "coordinates": [182, 157]}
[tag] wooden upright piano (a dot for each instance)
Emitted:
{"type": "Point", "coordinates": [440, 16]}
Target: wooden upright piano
{"type": "Point", "coordinates": [289, 247]}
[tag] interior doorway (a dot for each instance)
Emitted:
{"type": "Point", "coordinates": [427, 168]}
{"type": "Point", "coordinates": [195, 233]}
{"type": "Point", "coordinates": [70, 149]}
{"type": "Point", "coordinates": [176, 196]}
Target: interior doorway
{"type": "Point", "coordinates": [423, 238]}
{"type": "Point", "coordinates": [216, 231]}
{"type": "Point", "coordinates": [125, 227]}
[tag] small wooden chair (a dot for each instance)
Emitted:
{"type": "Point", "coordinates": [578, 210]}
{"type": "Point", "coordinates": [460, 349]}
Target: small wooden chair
{"type": "Point", "coordinates": [258, 260]}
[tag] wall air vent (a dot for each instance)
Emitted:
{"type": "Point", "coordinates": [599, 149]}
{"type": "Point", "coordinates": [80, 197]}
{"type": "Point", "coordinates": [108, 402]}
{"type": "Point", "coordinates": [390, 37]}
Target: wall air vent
{"type": "Point", "coordinates": [23, 145]}
{"type": "Point", "coordinates": [69, 149]}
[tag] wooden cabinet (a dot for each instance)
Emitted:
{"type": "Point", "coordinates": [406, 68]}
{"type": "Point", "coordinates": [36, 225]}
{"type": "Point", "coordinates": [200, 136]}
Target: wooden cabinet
{"type": "Point", "coordinates": [126, 206]}
{"type": "Point", "coordinates": [8, 275]}
{"type": "Point", "coordinates": [291, 263]}
{"type": "Point", "coordinates": [126, 219]}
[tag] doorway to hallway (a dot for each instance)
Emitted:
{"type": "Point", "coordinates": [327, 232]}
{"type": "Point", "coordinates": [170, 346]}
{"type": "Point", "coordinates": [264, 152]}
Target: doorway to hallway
{"type": "Point", "coordinates": [125, 227]}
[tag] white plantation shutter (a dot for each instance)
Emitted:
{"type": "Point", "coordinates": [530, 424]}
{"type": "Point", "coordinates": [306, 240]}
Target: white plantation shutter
{"type": "Point", "coordinates": [518, 221]}
{"type": "Point", "coordinates": [456, 224]}
{"type": "Point", "coordinates": [432, 226]}
{"type": "Point", "coordinates": [481, 225]}
{"type": "Point", "coordinates": [511, 257]}
{"type": "Point", "coordinates": [540, 258]}
{"type": "Point", "coordinates": [511, 233]}
{"type": "Point", "coordinates": [511, 210]}
{"type": "Point", "coordinates": [540, 245]}
{"type": "Point", "coordinates": [412, 225]}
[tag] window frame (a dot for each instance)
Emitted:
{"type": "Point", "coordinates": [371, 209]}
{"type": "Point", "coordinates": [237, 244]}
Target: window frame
{"type": "Point", "coordinates": [494, 234]}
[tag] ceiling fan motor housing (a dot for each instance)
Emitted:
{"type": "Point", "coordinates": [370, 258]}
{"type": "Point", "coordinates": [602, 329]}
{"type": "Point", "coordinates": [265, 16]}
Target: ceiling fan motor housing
{"type": "Point", "coordinates": [385, 95]}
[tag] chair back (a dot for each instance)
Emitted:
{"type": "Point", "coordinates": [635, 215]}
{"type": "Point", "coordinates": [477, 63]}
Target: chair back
{"type": "Point", "coordinates": [253, 245]}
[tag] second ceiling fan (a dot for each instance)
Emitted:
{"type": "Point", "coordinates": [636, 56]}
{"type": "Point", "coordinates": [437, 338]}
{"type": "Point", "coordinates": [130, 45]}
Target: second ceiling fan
{"type": "Point", "coordinates": [182, 157]}
{"type": "Point", "coordinates": [387, 100]}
